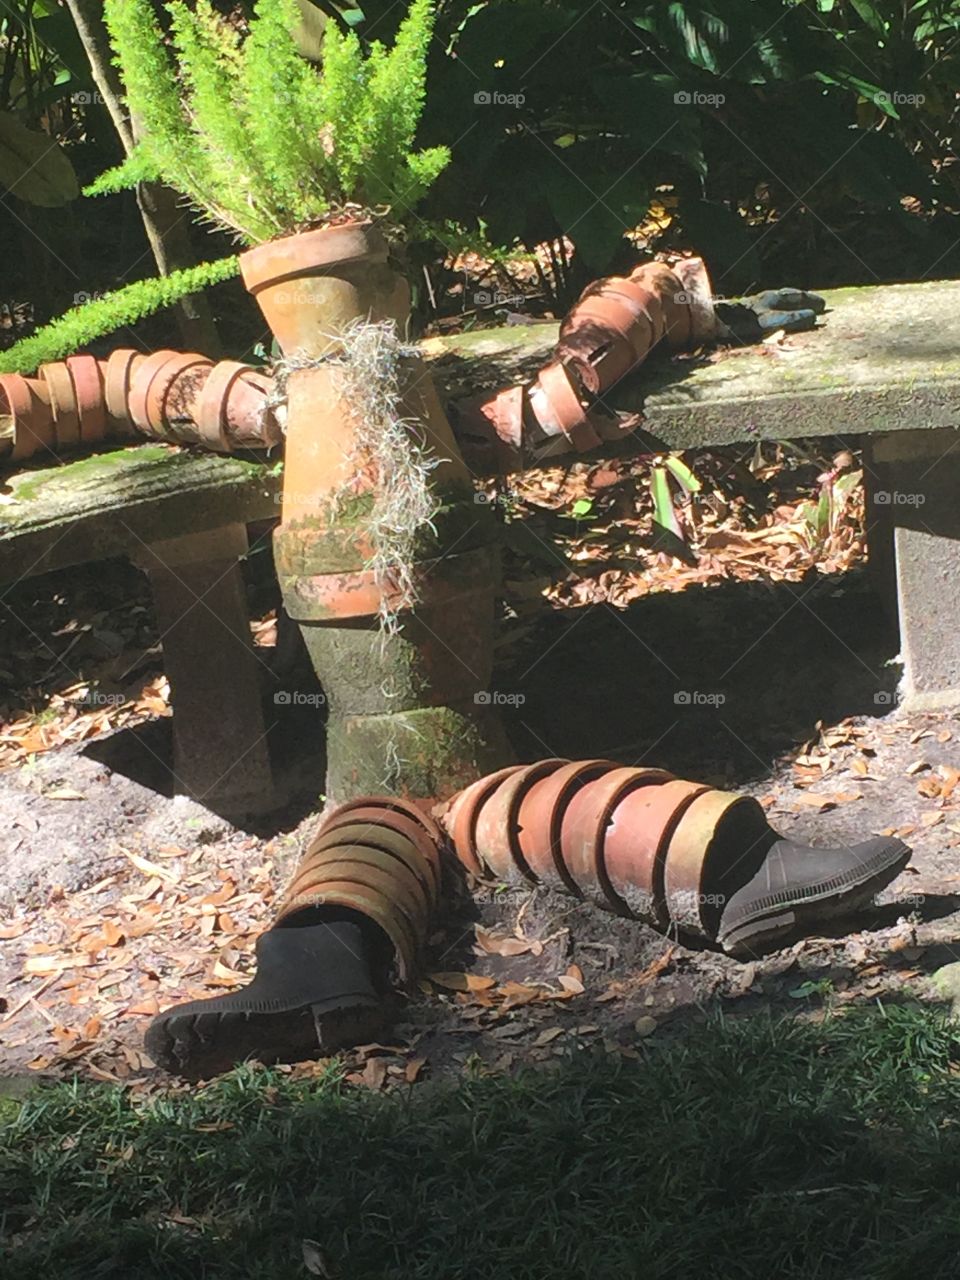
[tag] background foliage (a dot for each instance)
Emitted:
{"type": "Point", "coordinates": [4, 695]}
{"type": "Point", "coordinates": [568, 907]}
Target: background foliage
{"type": "Point", "coordinates": [800, 141]}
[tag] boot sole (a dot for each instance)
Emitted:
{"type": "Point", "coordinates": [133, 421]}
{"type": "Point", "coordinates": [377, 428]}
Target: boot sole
{"type": "Point", "coordinates": [783, 913]}
{"type": "Point", "coordinates": [198, 1042]}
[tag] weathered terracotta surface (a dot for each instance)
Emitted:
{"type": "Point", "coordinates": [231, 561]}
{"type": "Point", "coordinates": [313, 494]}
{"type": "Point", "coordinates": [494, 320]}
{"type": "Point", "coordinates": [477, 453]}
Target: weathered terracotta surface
{"type": "Point", "coordinates": [611, 329]}
{"type": "Point", "coordinates": [378, 857]}
{"type": "Point", "coordinates": [636, 841]}
{"type": "Point", "coordinates": [311, 286]}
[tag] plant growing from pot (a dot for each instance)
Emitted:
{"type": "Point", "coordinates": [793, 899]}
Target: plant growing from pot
{"type": "Point", "coordinates": [314, 172]}
{"type": "Point", "coordinates": [303, 167]}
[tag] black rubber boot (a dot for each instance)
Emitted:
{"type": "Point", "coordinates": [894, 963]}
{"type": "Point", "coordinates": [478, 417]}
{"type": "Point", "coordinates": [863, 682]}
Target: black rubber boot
{"type": "Point", "coordinates": [797, 888]}
{"type": "Point", "coordinates": [312, 994]}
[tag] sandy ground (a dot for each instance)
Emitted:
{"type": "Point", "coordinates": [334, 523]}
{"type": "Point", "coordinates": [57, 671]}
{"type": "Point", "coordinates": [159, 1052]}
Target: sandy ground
{"type": "Point", "coordinates": [120, 900]}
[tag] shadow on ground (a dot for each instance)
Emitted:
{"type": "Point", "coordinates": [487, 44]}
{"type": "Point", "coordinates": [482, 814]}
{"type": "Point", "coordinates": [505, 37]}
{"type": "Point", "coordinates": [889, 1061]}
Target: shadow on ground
{"type": "Point", "coordinates": [743, 1148]}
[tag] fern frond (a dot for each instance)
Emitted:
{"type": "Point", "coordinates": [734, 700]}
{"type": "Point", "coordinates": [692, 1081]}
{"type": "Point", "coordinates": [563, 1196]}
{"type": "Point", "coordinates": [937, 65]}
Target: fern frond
{"type": "Point", "coordinates": [138, 167]}
{"type": "Point", "coordinates": [252, 135]}
{"type": "Point", "coordinates": [124, 307]}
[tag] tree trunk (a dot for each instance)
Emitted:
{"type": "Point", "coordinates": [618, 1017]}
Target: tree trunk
{"type": "Point", "coordinates": [164, 223]}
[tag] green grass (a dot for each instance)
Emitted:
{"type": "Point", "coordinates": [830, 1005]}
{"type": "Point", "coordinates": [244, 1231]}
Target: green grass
{"type": "Point", "coordinates": [760, 1148]}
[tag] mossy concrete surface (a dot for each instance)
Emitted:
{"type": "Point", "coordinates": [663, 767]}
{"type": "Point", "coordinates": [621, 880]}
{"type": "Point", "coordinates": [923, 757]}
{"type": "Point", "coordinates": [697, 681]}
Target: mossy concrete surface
{"type": "Point", "coordinates": [882, 358]}
{"type": "Point", "coordinates": [424, 752]}
{"type": "Point", "coordinates": [108, 504]}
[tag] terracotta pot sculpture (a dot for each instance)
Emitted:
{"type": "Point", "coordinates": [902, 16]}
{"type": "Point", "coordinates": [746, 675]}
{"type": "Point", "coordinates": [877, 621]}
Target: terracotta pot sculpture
{"type": "Point", "coordinates": [403, 707]}
{"type": "Point", "coordinates": [687, 859]}
{"type": "Point", "coordinates": [680, 856]}
{"type": "Point", "coordinates": [180, 397]}
{"type": "Point", "coordinates": [611, 330]}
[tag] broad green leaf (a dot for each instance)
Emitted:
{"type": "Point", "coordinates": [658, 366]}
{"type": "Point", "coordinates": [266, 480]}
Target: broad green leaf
{"type": "Point", "coordinates": [682, 474]}
{"type": "Point", "coordinates": [309, 33]}
{"type": "Point", "coordinates": [33, 167]}
{"type": "Point", "coordinates": [663, 511]}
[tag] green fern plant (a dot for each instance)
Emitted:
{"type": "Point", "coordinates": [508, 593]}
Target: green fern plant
{"type": "Point", "coordinates": [83, 324]}
{"type": "Point", "coordinates": [258, 140]}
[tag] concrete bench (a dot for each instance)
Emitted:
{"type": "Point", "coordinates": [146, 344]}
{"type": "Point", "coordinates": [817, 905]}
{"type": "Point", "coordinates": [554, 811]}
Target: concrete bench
{"type": "Point", "coordinates": [884, 365]}
{"type": "Point", "coordinates": [180, 516]}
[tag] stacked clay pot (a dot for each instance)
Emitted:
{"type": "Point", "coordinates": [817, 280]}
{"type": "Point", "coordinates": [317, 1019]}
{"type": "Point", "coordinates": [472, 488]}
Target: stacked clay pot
{"type": "Point", "coordinates": [638, 842]}
{"type": "Point", "coordinates": [405, 694]}
{"type": "Point", "coordinates": [25, 403]}
{"type": "Point", "coordinates": [611, 329]}
{"type": "Point", "coordinates": [181, 397]}
{"type": "Point", "coordinates": [378, 856]}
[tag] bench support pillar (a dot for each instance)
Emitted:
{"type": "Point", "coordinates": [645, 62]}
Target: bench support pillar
{"type": "Point", "coordinates": [220, 748]}
{"type": "Point", "coordinates": [912, 503]}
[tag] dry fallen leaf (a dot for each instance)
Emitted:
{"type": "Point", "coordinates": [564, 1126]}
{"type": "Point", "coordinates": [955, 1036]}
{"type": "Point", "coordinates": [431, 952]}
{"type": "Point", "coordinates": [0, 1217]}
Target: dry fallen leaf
{"type": "Point", "coordinates": [374, 1073]}
{"type": "Point", "coordinates": [573, 985]}
{"type": "Point", "coordinates": [496, 945]}
{"type": "Point", "coordinates": [411, 1071]}
{"type": "Point", "coordinates": [645, 1026]}
{"type": "Point", "coordinates": [451, 981]}
{"type": "Point", "coordinates": [151, 869]}
{"type": "Point", "coordinates": [144, 1008]}
{"type": "Point", "coordinates": [545, 1037]}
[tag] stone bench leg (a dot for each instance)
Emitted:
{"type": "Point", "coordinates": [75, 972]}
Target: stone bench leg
{"type": "Point", "coordinates": [913, 504]}
{"type": "Point", "coordinates": [219, 738]}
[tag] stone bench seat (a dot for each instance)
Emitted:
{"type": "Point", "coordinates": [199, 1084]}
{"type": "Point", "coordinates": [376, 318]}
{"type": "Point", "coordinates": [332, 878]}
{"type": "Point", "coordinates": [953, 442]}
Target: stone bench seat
{"type": "Point", "coordinates": [883, 366]}
{"type": "Point", "coordinates": [181, 516]}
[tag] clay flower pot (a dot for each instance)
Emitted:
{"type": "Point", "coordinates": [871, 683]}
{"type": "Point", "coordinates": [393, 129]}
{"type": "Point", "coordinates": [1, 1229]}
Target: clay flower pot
{"type": "Point", "coordinates": [63, 403]}
{"type": "Point", "coordinates": [231, 410]}
{"type": "Point", "coordinates": [88, 391]}
{"type": "Point", "coordinates": [497, 821]}
{"type": "Point", "coordinates": [635, 846]}
{"type": "Point", "coordinates": [165, 392]}
{"type": "Point", "coordinates": [461, 817]}
{"type": "Point", "coordinates": [374, 824]}
{"type": "Point", "coordinates": [691, 871]}
{"type": "Point", "coordinates": [373, 869]}
{"type": "Point", "coordinates": [541, 821]}
{"type": "Point", "coordinates": [584, 828]}
{"type": "Point", "coordinates": [117, 371]}
{"type": "Point", "coordinates": [141, 378]}
{"type": "Point", "coordinates": [312, 285]}
{"type": "Point", "coordinates": [556, 406]}
{"type": "Point", "coordinates": [26, 402]}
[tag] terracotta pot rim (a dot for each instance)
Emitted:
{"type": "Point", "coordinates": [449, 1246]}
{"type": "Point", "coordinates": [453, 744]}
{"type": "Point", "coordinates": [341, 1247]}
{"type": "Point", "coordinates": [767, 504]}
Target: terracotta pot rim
{"type": "Point", "coordinates": [623, 782]}
{"type": "Point", "coordinates": [565, 414]}
{"type": "Point", "coordinates": [118, 370]}
{"type": "Point", "coordinates": [464, 834]}
{"type": "Point", "coordinates": [372, 818]}
{"type": "Point", "coordinates": [304, 253]}
{"type": "Point", "coordinates": [28, 404]}
{"type": "Point", "coordinates": [386, 873]}
{"type": "Point", "coordinates": [684, 871]}
{"type": "Point", "coordinates": [141, 379]}
{"type": "Point", "coordinates": [66, 413]}
{"type": "Point", "coordinates": [88, 391]}
{"type": "Point", "coordinates": [357, 594]}
{"type": "Point", "coordinates": [387, 841]}
{"type": "Point", "coordinates": [509, 795]}
{"type": "Point", "coordinates": [409, 808]}
{"type": "Point", "coordinates": [689, 791]}
{"type": "Point", "coordinates": [570, 781]}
